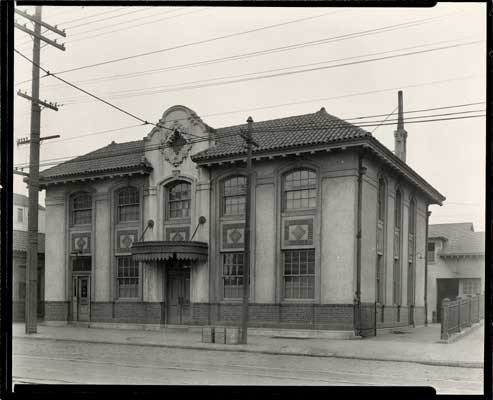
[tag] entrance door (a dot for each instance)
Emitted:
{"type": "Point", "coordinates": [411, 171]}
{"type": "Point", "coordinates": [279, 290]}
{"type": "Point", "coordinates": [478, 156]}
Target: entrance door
{"type": "Point", "coordinates": [446, 288]}
{"type": "Point", "coordinates": [81, 298]}
{"type": "Point", "coordinates": [178, 296]}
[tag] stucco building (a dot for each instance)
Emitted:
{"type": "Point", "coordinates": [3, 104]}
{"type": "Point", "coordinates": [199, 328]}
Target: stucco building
{"type": "Point", "coordinates": [152, 231]}
{"type": "Point", "coordinates": [456, 263]}
{"type": "Point", "coordinates": [19, 256]}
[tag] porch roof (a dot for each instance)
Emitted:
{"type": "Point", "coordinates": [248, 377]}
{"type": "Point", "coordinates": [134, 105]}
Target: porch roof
{"type": "Point", "coordinates": [164, 250]}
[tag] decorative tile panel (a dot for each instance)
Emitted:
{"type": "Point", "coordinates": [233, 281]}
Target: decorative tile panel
{"type": "Point", "coordinates": [125, 239]}
{"type": "Point", "coordinates": [233, 236]}
{"type": "Point", "coordinates": [178, 233]}
{"type": "Point", "coordinates": [81, 243]}
{"type": "Point", "coordinates": [298, 232]}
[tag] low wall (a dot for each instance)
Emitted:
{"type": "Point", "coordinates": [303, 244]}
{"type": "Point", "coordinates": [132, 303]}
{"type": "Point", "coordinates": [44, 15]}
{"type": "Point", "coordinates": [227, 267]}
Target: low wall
{"type": "Point", "coordinates": [296, 316]}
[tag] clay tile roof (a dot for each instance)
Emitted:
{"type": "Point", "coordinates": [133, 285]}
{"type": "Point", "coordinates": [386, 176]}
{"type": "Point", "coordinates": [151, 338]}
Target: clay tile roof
{"type": "Point", "coordinates": [283, 133]}
{"type": "Point", "coordinates": [114, 157]}
{"type": "Point", "coordinates": [461, 238]}
{"type": "Point", "coordinates": [20, 239]}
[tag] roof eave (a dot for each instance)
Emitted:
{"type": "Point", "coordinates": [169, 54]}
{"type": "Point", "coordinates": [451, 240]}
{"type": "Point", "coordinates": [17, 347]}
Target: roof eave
{"type": "Point", "coordinates": [110, 173]}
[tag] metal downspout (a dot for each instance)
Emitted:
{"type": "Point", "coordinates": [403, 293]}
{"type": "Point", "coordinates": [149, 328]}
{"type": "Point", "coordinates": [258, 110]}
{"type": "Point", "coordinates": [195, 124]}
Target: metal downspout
{"type": "Point", "coordinates": [361, 171]}
{"type": "Point", "coordinates": [426, 264]}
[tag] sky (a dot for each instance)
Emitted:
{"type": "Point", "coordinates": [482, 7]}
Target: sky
{"type": "Point", "coordinates": [357, 59]}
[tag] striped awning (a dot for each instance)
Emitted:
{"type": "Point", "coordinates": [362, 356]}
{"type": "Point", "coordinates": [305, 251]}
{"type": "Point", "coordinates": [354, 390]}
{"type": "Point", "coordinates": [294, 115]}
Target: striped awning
{"type": "Point", "coordinates": [164, 250]}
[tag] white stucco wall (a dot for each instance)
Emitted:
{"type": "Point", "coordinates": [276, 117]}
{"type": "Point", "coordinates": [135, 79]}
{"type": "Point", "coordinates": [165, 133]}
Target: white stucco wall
{"type": "Point", "coordinates": [55, 249]}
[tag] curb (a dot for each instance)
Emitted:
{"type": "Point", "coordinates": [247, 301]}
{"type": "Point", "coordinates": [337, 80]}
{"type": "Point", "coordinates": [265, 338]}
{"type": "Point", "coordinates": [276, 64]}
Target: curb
{"type": "Point", "coordinates": [456, 364]}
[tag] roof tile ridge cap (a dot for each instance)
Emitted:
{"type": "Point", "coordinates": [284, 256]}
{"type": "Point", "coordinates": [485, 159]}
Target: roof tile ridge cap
{"type": "Point", "coordinates": [271, 120]}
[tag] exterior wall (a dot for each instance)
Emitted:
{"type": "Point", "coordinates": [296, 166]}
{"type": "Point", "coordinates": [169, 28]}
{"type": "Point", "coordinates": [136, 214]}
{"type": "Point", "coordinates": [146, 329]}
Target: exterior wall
{"type": "Point", "coordinates": [268, 315]}
{"type": "Point", "coordinates": [333, 232]}
{"type": "Point", "coordinates": [55, 246]}
{"type": "Point", "coordinates": [369, 245]}
{"type": "Point", "coordinates": [333, 224]}
{"type": "Point", "coordinates": [451, 268]}
{"type": "Point", "coordinates": [22, 225]}
{"type": "Point", "coordinates": [338, 256]}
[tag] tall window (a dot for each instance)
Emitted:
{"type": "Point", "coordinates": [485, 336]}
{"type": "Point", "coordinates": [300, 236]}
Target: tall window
{"type": "Point", "coordinates": [82, 209]}
{"type": "Point", "coordinates": [128, 204]}
{"type": "Point", "coordinates": [179, 195]}
{"type": "Point", "coordinates": [127, 277]}
{"type": "Point", "coordinates": [300, 189]}
{"type": "Point", "coordinates": [411, 240]}
{"type": "Point", "coordinates": [299, 274]}
{"type": "Point", "coordinates": [233, 264]}
{"type": "Point", "coordinates": [380, 267]}
{"type": "Point", "coordinates": [234, 195]}
{"type": "Point", "coordinates": [431, 252]}
{"type": "Point", "coordinates": [20, 215]}
{"type": "Point", "coordinates": [397, 248]}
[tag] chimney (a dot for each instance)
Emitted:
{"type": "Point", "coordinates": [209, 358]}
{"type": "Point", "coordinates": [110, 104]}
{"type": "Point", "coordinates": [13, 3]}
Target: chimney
{"type": "Point", "coordinates": [400, 134]}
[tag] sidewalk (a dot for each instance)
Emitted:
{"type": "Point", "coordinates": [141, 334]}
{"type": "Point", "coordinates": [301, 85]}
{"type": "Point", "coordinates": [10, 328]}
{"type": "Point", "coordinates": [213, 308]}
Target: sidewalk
{"type": "Point", "coordinates": [419, 345]}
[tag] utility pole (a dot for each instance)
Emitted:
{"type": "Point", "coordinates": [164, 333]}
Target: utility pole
{"type": "Point", "coordinates": [246, 268]}
{"type": "Point", "coordinates": [33, 179]}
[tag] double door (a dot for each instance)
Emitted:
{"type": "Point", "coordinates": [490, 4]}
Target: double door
{"type": "Point", "coordinates": [178, 296]}
{"type": "Point", "coordinates": [81, 295]}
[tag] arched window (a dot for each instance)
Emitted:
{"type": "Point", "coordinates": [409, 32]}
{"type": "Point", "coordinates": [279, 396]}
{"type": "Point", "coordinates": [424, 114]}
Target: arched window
{"type": "Point", "coordinates": [127, 200]}
{"type": "Point", "coordinates": [81, 209]}
{"type": "Point", "coordinates": [300, 189]}
{"type": "Point", "coordinates": [234, 195]}
{"type": "Point", "coordinates": [178, 200]}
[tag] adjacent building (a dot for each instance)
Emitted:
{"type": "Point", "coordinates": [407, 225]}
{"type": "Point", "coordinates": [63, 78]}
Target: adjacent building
{"type": "Point", "coordinates": [456, 264]}
{"type": "Point", "coordinates": [19, 256]}
{"type": "Point", "coordinates": [152, 231]}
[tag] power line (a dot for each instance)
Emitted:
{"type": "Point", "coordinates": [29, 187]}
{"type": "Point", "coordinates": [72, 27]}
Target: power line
{"type": "Point", "coordinates": [243, 77]}
{"type": "Point", "coordinates": [105, 19]}
{"type": "Point", "coordinates": [278, 69]}
{"type": "Point", "coordinates": [386, 28]}
{"type": "Point", "coordinates": [345, 119]}
{"type": "Point", "coordinates": [84, 18]}
{"type": "Point", "coordinates": [260, 131]}
{"type": "Point", "coordinates": [191, 44]}
{"type": "Point", "coordinates": [385, 119]}
{"type": "Point", "coordinates": [243, 56]}
{"type": "Point", "coordinates": [94, 96]}
{"type": "Point", "coordinates": [127, 27]}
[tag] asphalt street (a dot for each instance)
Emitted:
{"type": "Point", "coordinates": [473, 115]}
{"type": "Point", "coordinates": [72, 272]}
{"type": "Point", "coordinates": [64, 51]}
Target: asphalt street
{"type": "Point", "coordinates": [50, 361]}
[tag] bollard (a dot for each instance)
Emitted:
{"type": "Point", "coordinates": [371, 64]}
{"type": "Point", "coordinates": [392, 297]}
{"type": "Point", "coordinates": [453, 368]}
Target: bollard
{"type": "Point", "coordinates": [208, 334]}
{"type": "Point", "coordinates": [458, 313]}
{"type": "Point", "coordinates": [445, 319]}
{"type": "Point", "coordinates": [220, 334]}
{"type": "Point", "coordinates": [233, 335]}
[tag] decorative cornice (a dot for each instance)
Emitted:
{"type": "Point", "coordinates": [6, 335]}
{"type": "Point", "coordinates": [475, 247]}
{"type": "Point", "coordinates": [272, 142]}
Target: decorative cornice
{"type": "Point", "coordinates": [62, 180]}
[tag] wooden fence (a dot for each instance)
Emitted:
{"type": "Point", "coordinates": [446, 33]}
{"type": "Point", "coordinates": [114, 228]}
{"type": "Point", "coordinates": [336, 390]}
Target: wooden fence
{"type": "Point", "coordinates": [461, 313]}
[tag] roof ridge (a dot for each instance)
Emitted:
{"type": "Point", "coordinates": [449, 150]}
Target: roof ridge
{"type": "Point", "coordinates": [321, 111]}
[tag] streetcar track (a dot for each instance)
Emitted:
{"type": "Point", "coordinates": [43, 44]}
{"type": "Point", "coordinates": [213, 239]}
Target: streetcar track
{"type": "Point", "coordinates": [207, 367]}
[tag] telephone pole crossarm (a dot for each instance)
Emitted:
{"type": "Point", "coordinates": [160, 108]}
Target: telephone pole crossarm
{"type": "Point", "coordinates": [43, 24]}
{"type": "Point", "coordinates": [52, 106]}
{"type": "Point", "coordinates": [39, 36]}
